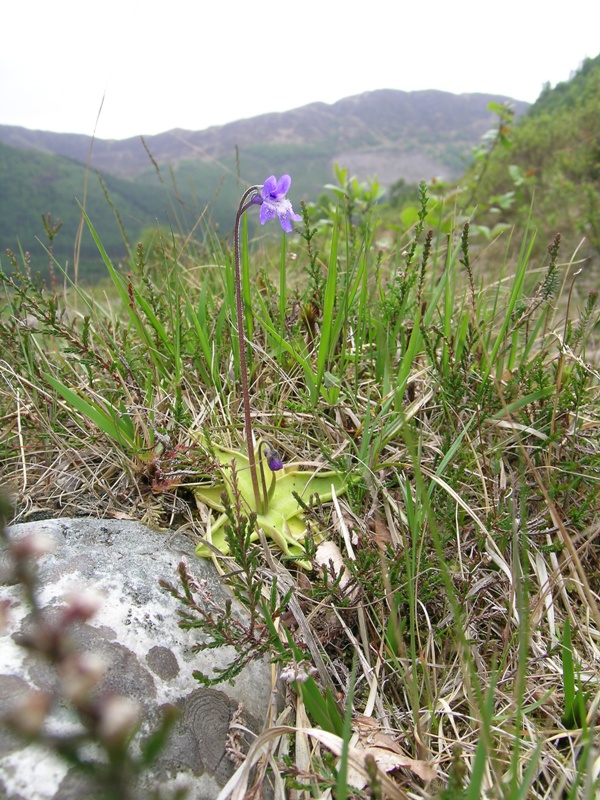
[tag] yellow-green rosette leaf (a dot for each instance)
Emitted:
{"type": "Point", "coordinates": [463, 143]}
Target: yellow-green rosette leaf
{"type": "Point", "coordinates": [282, 521]}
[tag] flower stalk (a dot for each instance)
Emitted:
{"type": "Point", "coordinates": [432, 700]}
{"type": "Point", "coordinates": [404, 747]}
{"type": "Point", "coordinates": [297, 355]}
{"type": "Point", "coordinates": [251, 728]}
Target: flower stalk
{"type": "Point", "coordinates": [273, 202]}
{"type": "Point", "coordinates": [252, 192]}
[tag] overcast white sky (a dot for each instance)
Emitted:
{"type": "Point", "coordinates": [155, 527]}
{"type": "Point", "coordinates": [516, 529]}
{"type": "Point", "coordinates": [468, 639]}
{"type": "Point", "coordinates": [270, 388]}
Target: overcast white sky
{"type": "Point", "coordinates": [194, 63]}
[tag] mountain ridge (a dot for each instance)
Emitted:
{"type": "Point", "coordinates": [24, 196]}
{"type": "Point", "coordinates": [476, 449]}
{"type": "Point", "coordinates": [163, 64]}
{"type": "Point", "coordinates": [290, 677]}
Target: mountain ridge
{"type": "Point", "coordinates": [369, 121]}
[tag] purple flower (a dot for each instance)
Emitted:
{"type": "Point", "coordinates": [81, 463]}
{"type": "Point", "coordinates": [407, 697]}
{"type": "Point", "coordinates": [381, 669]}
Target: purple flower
{"type": "Point", "coordinates": [273, 201]}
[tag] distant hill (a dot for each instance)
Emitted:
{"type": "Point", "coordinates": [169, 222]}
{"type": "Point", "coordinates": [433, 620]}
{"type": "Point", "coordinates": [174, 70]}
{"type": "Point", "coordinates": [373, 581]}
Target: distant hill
{"type": "Point", "coordinates": [424, 133]}
{"type": "Point", "coordinates": [174, 176]}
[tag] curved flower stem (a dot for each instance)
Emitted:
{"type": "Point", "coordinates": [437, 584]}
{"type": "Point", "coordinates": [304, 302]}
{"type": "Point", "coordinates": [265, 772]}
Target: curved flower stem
{"type": "Point", "coordinates": [264, 447]}
{"type": "Point", "coordinates": [251, 193]}
{"type": "Point", "coordinates": [265, 495]}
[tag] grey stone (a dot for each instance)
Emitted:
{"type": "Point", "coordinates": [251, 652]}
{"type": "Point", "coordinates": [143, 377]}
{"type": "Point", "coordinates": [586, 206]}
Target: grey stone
{"type": "Point", "coordinates": [13, 690]}
{"type": "Point", "coordinates": [149, 658]}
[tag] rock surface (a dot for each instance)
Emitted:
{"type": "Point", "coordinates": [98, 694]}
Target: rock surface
{"type": "Point", "coordinates": [149, 658]}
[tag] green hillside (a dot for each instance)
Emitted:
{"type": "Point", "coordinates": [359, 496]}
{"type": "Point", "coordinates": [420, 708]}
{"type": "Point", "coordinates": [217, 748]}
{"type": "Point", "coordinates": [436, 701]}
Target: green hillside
{"type": "Point", "coordinates": [122, 209]}
{"type": "Point", "coordinates": [551, 164]}
{"type": "Point", "coordinates": [41, 184]}
{"type": "Point", "coordinates": [215, 185]}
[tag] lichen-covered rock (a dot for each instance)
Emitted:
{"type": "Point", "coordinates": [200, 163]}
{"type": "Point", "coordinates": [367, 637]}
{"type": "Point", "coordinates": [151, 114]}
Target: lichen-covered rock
{"type": "Point", "coordinates": [149, 658]}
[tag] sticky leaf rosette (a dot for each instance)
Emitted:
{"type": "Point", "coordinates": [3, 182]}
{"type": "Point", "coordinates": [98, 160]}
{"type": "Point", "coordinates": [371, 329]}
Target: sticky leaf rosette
{"type": "Point", "coordinates": [281, 517]}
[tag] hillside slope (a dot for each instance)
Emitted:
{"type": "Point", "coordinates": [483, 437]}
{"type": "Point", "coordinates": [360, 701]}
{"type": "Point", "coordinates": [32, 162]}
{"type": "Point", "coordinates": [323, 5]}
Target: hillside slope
{"type": "Point", "coordinates": [34, 184]}
{"type": "Point", "coordinates": [553, 165]}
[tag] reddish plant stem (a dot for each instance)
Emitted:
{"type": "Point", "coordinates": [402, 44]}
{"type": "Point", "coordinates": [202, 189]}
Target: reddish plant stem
{"type": "Point", "coordinates": [243, 207]}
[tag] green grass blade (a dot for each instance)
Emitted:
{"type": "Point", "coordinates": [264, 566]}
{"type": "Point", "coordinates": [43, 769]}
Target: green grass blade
{"type": "Point", "coordinates": [109, 420]}
{"type": "Point", "coordinates": [309, 375]}
{"type": "Point", "coordinates": [327, 322]}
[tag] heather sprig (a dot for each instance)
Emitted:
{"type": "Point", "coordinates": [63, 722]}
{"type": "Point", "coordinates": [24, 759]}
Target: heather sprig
{"type": "Point", "coordinates": [104, 723]}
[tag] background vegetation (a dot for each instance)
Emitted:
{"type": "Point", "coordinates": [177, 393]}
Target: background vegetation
{"type": "Point", "coordinates": [548, 172]}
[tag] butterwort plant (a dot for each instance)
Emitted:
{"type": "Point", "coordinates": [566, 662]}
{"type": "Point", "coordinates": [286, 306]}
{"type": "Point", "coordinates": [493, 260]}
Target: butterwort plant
{"type": "Point", "coordinates": [274, 501]}
{"type": "Point", "coordinates": [271, 197]}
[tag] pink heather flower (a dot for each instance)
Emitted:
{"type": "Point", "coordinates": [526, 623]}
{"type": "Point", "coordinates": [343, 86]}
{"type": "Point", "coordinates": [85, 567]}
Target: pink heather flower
{"type": "Point", "coordinates": [33, 545]}
{"type": "Point", "coordinates": [28, 714]}
{"type": "Point", "coordinates": [81, 606]}
{"type": "Point", "coordinates": [273, 201]}
{"type": "Point", "coordinates": [119, 716]}
{"type": "Point", "coordinates": [80, 673]}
